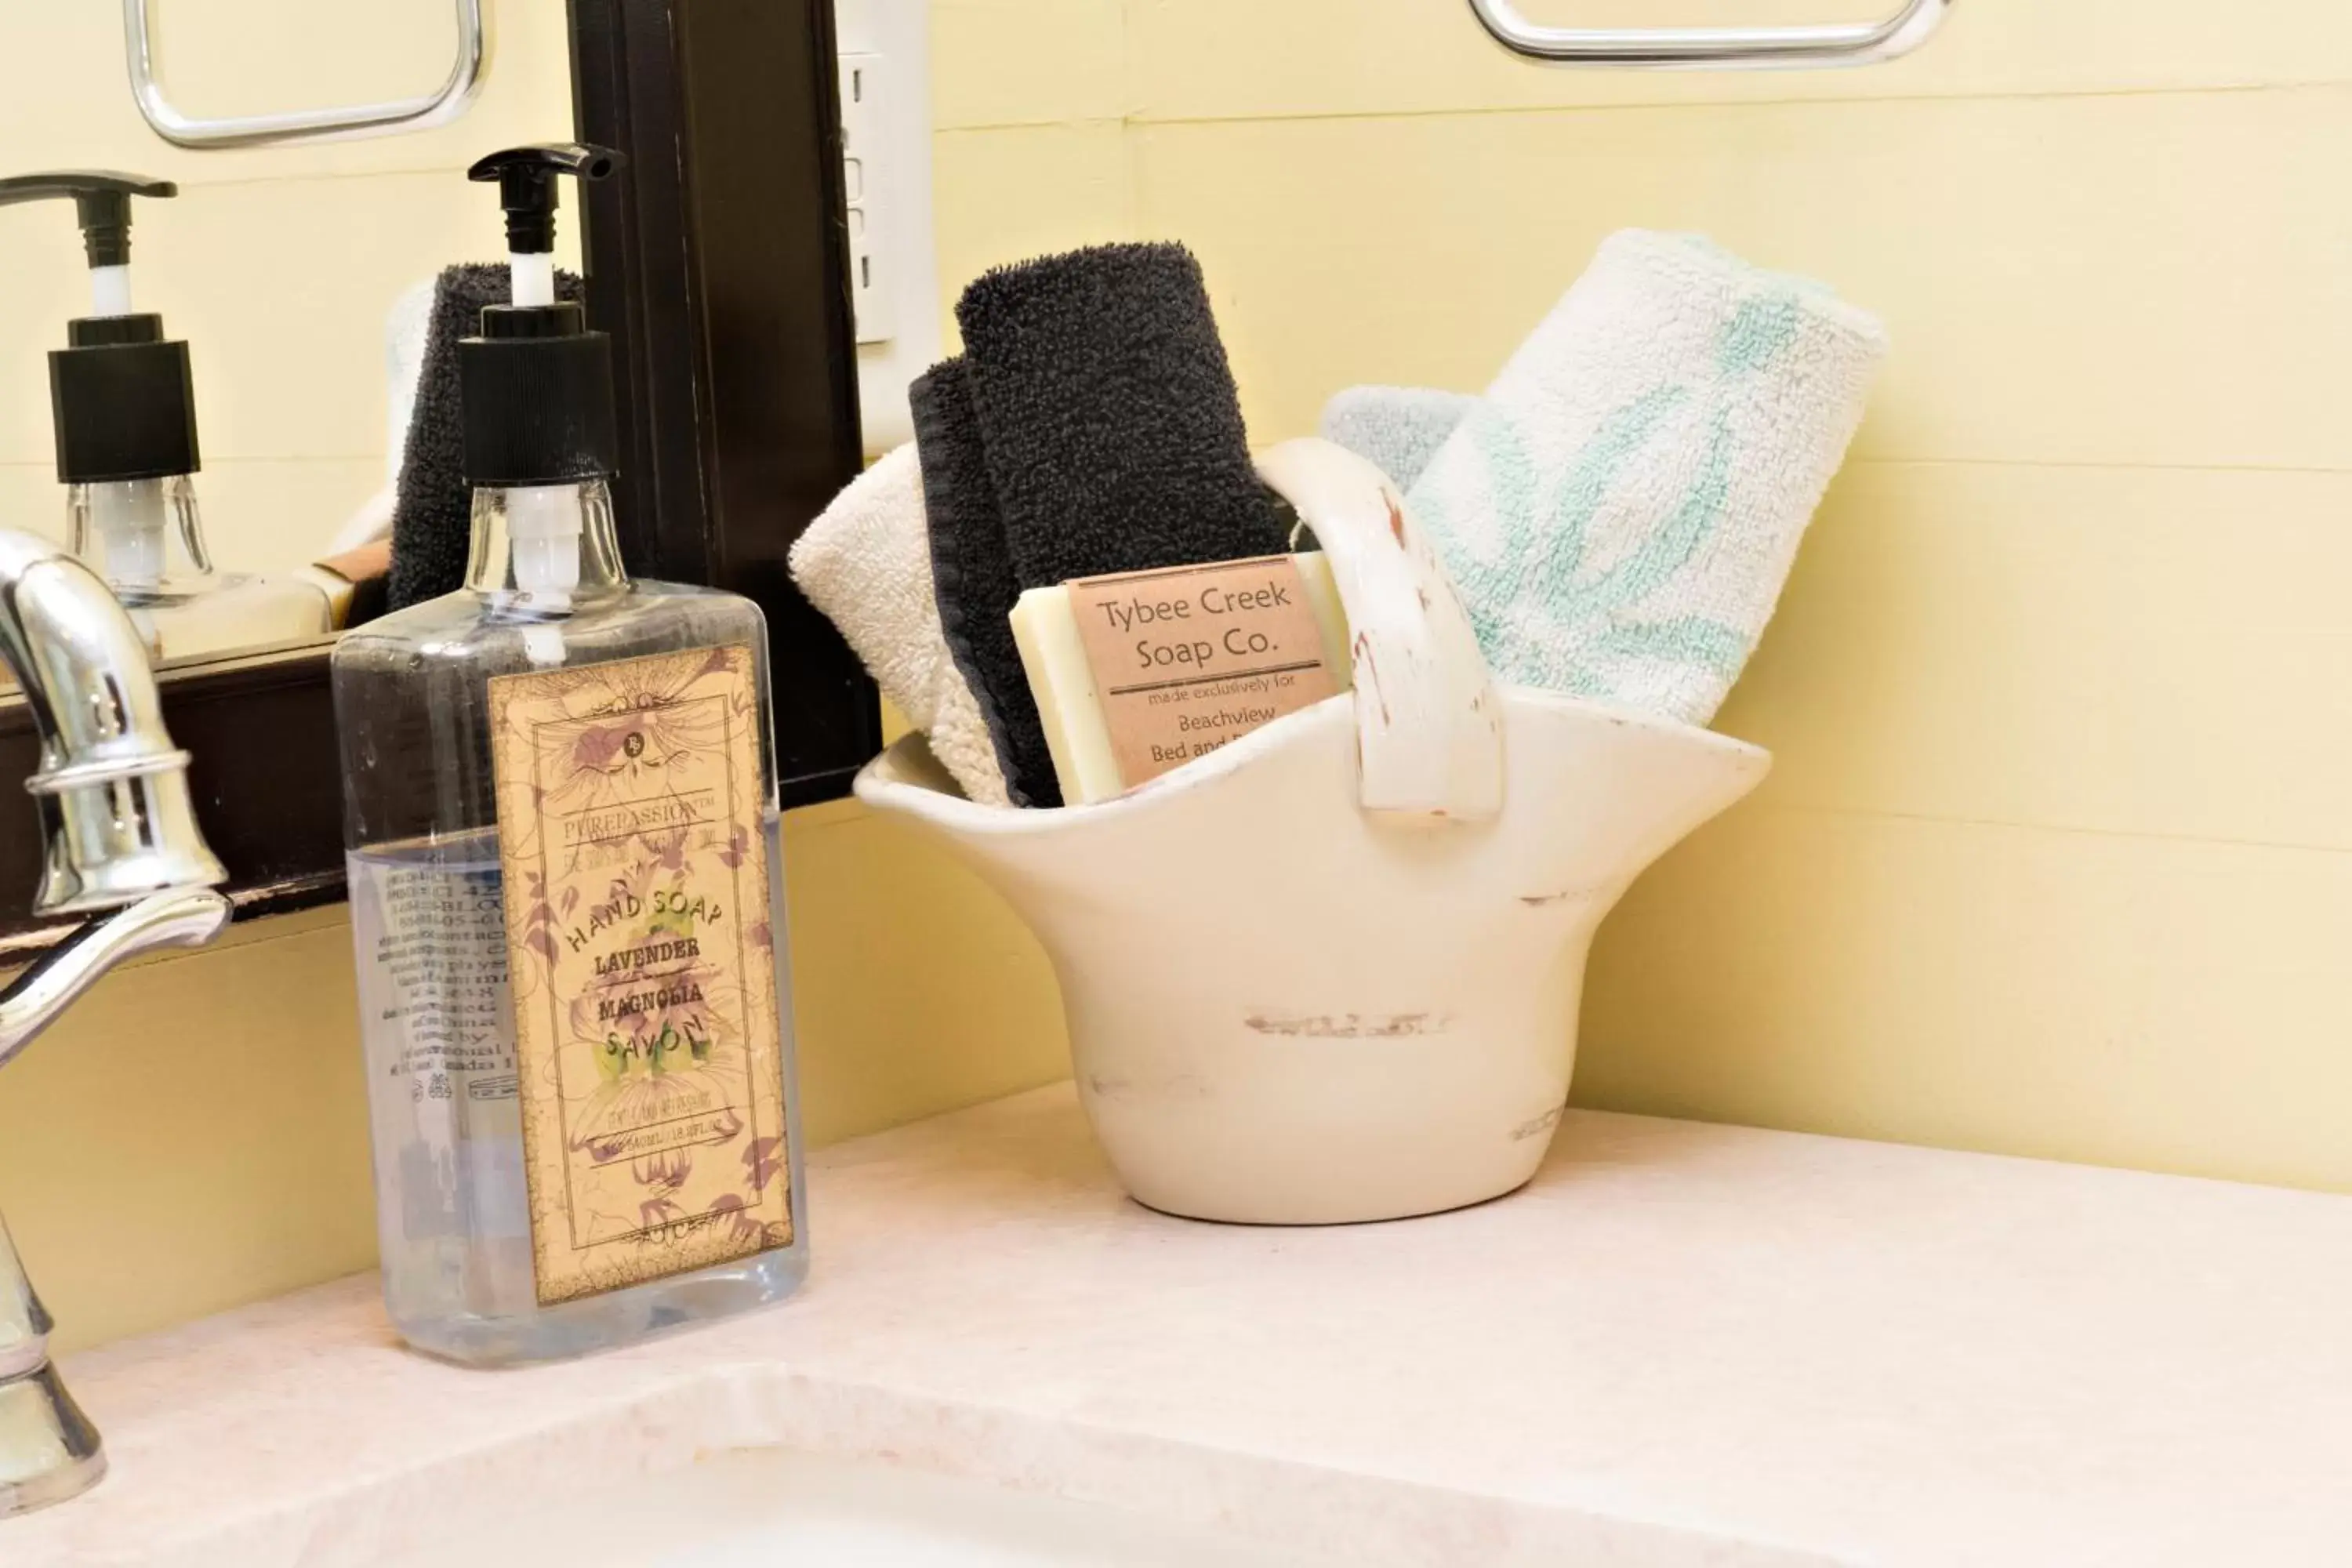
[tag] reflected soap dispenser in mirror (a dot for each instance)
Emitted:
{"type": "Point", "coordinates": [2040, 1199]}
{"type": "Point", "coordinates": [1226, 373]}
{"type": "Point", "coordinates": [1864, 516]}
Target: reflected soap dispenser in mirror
{"type": "Point", "coordinates": [124, 409]}
{"type": "Point", "coordinates": [566, 887]}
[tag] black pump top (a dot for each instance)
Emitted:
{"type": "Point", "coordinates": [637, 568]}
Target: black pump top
{"type": "Point", "coordinates": [120, 393]}
{"type": "Point", "coordinates": [102, 203]}
{"type": "Point", "coordinates": [535, 388]}
{"type": "Point", "coordinates": [526, 177]}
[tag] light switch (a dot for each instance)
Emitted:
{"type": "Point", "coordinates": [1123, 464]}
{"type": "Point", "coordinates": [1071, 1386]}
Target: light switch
{"type": "Point", "coordinates": [861, 99]}
{"type": "Point", "coordinates": [886, 126]}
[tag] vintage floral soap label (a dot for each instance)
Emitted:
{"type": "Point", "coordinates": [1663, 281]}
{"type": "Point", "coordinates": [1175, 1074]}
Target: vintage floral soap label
{"type": "Point", "coordinates": [634, 847]}
{"type": "Point", "coordinates": [1190, 659]}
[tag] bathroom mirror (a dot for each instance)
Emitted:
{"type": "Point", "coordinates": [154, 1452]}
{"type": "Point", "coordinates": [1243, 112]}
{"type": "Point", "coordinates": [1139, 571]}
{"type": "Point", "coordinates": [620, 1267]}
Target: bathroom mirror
{"type": "Point", "coordinates": [717, 265]}
{"type": "Point", "coordinates": [296, 274]}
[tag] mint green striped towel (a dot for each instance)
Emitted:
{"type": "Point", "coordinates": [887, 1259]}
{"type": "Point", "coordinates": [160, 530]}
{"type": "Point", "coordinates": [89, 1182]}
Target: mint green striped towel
{"type": "Point", "coordinates": [1622, 506]}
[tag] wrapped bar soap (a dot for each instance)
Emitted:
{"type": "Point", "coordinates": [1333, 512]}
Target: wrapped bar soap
{"type": "Point", "coordinates": [1139, 672]}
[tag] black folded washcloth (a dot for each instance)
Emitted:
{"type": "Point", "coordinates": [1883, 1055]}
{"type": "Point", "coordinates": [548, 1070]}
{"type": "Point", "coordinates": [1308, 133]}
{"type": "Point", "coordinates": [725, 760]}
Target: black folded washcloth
{"type": "Point", "coordinates": [973, 578]}
{"type": "Point", "coordinates": [433, 507]}
{"type": "Point", "coordinates": [1090, 426]}
{"type": "Point", "coordinates": [1114, 432]}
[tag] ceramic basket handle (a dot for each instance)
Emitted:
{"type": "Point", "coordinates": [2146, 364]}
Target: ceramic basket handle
{"type": "Point", "coordinates": [1429, 725]}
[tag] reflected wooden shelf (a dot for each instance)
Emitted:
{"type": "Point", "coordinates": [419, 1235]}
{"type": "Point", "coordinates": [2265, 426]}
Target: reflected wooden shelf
{"type": "Point", "coordinates": [259, 725]}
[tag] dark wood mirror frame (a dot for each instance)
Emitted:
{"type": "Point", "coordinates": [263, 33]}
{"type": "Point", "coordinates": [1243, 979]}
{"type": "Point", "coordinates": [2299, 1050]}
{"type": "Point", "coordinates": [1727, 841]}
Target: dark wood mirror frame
{"type": "Point", "coordinates": [720, 268]}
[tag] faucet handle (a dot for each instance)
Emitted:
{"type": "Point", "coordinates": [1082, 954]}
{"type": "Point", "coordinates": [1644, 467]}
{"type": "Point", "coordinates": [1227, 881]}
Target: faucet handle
{"type": "Point", "coordinates": [112, 789]}
{"type": "Point", "coordinates": [119, 835]}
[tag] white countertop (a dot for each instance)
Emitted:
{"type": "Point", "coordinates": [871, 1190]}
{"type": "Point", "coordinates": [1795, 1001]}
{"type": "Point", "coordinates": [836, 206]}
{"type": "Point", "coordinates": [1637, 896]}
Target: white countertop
{"type": "Point", "coordinates": [1681, 1344]}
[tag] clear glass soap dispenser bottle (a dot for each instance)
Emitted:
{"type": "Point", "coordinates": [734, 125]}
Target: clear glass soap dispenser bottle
{"type": "Point", "coordinates": [566, 887]}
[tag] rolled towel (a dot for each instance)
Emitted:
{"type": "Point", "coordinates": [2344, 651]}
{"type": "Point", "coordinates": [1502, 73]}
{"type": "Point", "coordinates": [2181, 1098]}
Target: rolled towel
{"type": "Point", "coordinates": [973, 581]}
{"type": "Point", "coordinates": [1091, 425]}
{"type": "Point", "coordinates": [1622, 506]}
{"type": "Point", "coordinates": [1113, 430]}
{"type": "Point", "coordinates": [1397, 429]}
{"type": "Point", "coordinates": [866, 562]}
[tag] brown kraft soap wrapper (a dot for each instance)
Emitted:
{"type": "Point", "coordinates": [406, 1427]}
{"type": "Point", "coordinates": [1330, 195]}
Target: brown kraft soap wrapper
{"type": "Point", "coordinates": [1189, 659]}
{"type": "Point", "coordinates": [642, 955]}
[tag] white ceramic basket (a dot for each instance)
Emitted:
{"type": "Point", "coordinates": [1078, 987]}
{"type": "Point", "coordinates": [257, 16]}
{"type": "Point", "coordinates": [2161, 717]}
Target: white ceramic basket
{"type": "Point", "coordinates": [1291, 1002]}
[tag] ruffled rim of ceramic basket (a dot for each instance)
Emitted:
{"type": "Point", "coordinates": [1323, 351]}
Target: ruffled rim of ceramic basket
{"type": "Point", "coordinates": [1430, 721]}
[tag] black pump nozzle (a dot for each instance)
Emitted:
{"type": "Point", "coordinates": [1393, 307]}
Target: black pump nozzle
{"type": "Point", "coordinates": [101, 202]}
{"type": "Point", "coordinates": [537, 385]}
{"type": "Point", "coordinates": [526, 177]}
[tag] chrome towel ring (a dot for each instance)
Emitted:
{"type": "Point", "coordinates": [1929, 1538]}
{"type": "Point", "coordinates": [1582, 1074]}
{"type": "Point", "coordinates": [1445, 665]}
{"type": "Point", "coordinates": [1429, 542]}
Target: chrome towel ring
{"type": "Point", "coordinates": [347, 122]}
{"type": "Point", "coordinates": [1814, 44]}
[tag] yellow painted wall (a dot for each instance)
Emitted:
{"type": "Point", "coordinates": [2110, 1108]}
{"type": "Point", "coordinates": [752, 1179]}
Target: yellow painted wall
{"type": "Point", "coordinates": [2055, 858]}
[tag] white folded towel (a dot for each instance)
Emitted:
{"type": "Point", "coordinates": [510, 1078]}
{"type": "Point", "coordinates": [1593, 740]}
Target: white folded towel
{"type": "Point", "coordinates": [866, 562]}
{"type": "Point", "coordinates": [1620, 508]}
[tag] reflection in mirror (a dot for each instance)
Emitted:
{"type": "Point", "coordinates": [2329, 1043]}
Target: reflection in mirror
{"type": "Point", "coordinates": [238, 492]}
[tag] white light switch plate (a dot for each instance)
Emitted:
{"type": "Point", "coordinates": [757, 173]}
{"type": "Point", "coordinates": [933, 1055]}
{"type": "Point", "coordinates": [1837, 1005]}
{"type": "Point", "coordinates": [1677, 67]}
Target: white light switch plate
{"type": "Point", "coordinates": [866, 175]}
{"type": "Point", "coordinates": [886, 121]}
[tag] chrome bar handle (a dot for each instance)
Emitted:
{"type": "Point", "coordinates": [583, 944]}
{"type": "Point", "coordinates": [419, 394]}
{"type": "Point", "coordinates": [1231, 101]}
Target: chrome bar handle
{"type": "Point", "coordinates": [1813, 44]}
{"type": "Point", "coordinates": [347, 122]}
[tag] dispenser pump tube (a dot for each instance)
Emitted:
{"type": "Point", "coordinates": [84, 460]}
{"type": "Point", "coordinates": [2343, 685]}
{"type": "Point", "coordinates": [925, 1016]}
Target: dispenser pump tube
{"type": "Point", "coordinates": [109, 290]}
{"type": "Point", "coordinates": [532, 275]}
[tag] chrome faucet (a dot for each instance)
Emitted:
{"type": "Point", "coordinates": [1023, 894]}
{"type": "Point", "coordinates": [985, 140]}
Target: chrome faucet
{"type": "Point", "coordinates": [113, 794]}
